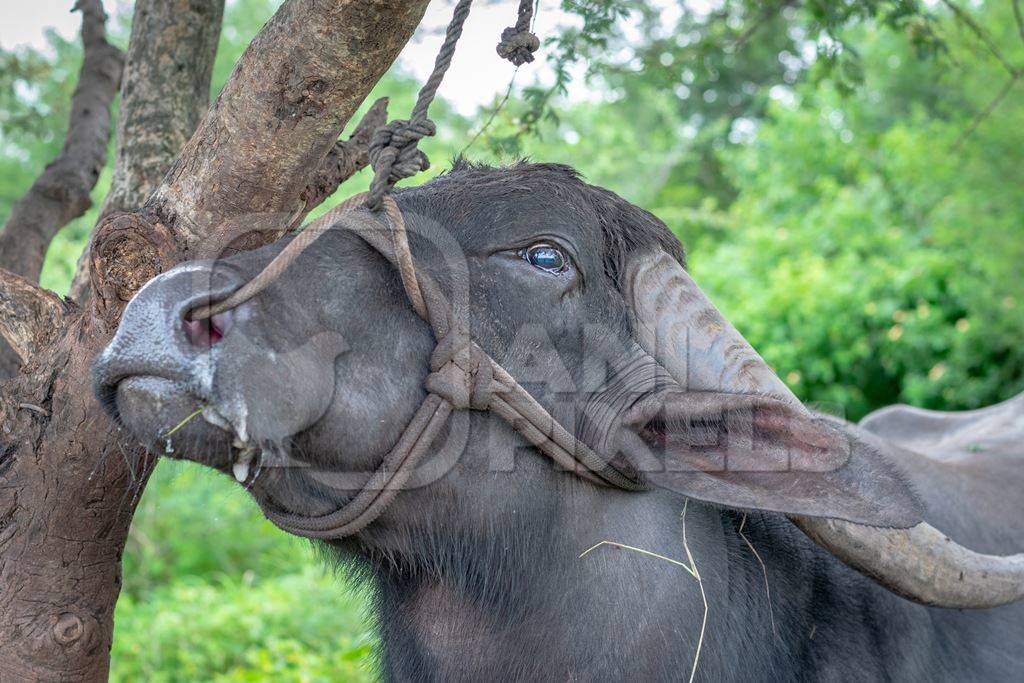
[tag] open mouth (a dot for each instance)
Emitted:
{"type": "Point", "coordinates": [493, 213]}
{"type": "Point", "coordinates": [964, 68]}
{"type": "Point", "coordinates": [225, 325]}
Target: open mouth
{"type": "Point", "coordinates": [242, 452]}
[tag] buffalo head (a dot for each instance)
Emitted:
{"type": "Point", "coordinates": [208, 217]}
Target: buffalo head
{"type": "Point", "coordinates": [579, 295]}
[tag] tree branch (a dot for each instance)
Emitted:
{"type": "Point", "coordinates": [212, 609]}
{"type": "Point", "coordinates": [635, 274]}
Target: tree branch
{"type": "Point", "coordinates": [250, 164]}
{"type": "Point", "coordinates": [165, 92]}
{"type": "Point", "coordinates": [986, 112]}
{"type": "Point", "coordinates": [61, 193]}
{"type": "Point", "coordinates": [1015, 72]}
{"type": "Point", "coordinates": [345, 158]}
{"type": "Point", "coordinates": [766, 15]}
{"type": "Point", "coordinates": [1018, 16]}
{"type": "Point", "coordinates": [30, 316]}
{"type": "Point", "coordinates": [289, 98]}
{"type": "Point", "coordinates": [983, 35]}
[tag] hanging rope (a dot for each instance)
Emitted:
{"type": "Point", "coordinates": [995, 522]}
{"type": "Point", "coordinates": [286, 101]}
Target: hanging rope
{"type": "Point", "coordinates": [518, 43]}
{"type": "Point", "coordinates": [463, 376]}
{"type": "Point", "coordinates": [394, 152]}
{"type": "Point", "coordinates": [394, 155]}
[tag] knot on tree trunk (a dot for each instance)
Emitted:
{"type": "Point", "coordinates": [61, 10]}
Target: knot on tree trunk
{"type": "Point", "coordinates": [62, 647]}
{"type": "Point", "coordinates": [68, 629]}
{"type": "Point", "coordinates": [127, 251]}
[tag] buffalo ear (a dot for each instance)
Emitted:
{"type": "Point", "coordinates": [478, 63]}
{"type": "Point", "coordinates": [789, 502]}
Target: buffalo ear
{"type": "Point", "coordinates": [760, 453]}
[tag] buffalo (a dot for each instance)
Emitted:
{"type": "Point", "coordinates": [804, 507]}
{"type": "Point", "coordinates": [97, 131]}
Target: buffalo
{"type": "Point", "coordinates": [726, 532]}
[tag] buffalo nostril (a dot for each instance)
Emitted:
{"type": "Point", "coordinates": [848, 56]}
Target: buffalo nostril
{"type": "Point", "coordinates": [208, 331]}
{"type": "Point", "coordinates": [222, 322]}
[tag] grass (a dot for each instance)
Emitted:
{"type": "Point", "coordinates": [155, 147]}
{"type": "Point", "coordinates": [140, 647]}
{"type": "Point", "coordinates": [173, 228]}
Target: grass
{"type": "Point", "coordinates": [764, 571]}
{"type": "Point", "coordinates": [294, 627]}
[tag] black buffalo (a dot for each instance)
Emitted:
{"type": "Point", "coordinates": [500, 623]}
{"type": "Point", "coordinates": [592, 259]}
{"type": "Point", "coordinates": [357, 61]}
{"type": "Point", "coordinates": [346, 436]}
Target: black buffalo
{"type": "Point", "coordinates": [480, 568]}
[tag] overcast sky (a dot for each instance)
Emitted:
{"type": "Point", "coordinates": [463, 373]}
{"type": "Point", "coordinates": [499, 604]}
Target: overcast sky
{"type": "Point", "coordinates": [476, 74]}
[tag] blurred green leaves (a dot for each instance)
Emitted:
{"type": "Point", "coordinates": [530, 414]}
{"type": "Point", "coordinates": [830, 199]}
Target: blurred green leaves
{"type": "Point", "coordinates": [870, 263]}
{"type": "Point", "coordinates": [213, 592]}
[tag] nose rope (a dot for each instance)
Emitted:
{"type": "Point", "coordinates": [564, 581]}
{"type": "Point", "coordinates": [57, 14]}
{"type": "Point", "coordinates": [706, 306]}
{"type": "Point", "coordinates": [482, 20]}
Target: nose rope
{"type": "Point", "coordinates": [463, 376]}
{"type": "Point", "coordinates": [305, 238]}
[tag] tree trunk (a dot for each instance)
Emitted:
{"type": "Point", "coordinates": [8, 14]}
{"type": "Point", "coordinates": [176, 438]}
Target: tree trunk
{"type": "Point", "coordinates": [164, 94]}
{"type": "Point", "coordinates": [68, 480]}
{"type": "Point", "coordinates": [30, 315]}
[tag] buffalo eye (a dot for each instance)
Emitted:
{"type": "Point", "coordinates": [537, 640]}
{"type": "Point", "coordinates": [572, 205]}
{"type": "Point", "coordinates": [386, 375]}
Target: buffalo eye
{"type": "Point", "coordinates": [546, 257]}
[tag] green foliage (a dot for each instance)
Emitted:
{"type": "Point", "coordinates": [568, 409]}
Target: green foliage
{"type": "Point", "coordinates": [868, 261]}
{"type": "Point", "coordinates": [183, 504]}
{"type": "Point", "coordinates": [297, 627]}
{"type": "Point", "coordinates": [213, 592]}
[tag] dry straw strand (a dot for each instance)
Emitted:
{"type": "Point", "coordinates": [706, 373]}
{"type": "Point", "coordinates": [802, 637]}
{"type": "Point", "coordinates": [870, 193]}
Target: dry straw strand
{"type": "Point", "coordinates": [703, 595]}
{"type": "Point", "coordinates": [764, 570]}
{"type": "Point", "coordinates": [183, 422]}
{"type": "Point", "coordinates": [690, 566]}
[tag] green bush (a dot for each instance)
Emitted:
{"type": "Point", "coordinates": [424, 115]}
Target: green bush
{"type": "Point", "coordinates": [299, 627]}
{"type": "Point", "coordinates": [193, 522]}
{"type": "Point", "coordinates": [213, 592]}
{"type": "Point", "coordinates": [870, 257]}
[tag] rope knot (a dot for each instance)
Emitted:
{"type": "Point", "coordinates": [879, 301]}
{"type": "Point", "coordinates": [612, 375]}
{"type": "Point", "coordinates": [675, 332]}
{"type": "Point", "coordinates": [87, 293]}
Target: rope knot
{"type": "Point", "coordinates": [462, 372]}
{"type": "Point", "coordinates": [394, 155]}
{"type": "Point", "coordinates": [518, 45]}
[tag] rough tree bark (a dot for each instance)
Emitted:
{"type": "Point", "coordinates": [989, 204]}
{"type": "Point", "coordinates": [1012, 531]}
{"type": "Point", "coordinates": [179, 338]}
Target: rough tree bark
{"type": "Point", "coordinates": [345, 158]}
{"type": "Point", "coordinates": [68, 480]}
{"type": "Point", "coordinates": [165, 90]}
{"type": "Point", "coordinates": [31, 315]}
{"type": "Point", "coordinates": [61, 193]}
{"type": "Point", "coordinates": [164, 93]}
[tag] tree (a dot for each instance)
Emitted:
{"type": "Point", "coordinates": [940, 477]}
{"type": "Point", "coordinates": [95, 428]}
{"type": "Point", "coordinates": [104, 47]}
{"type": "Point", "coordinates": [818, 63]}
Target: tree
{"type": "Point", "coordinates": [267, 147]}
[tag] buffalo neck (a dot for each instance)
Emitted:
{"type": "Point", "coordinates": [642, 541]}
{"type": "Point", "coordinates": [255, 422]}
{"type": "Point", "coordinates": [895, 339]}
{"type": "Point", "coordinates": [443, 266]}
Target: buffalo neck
{"type": "Point", "coordinates": [523, 604]}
